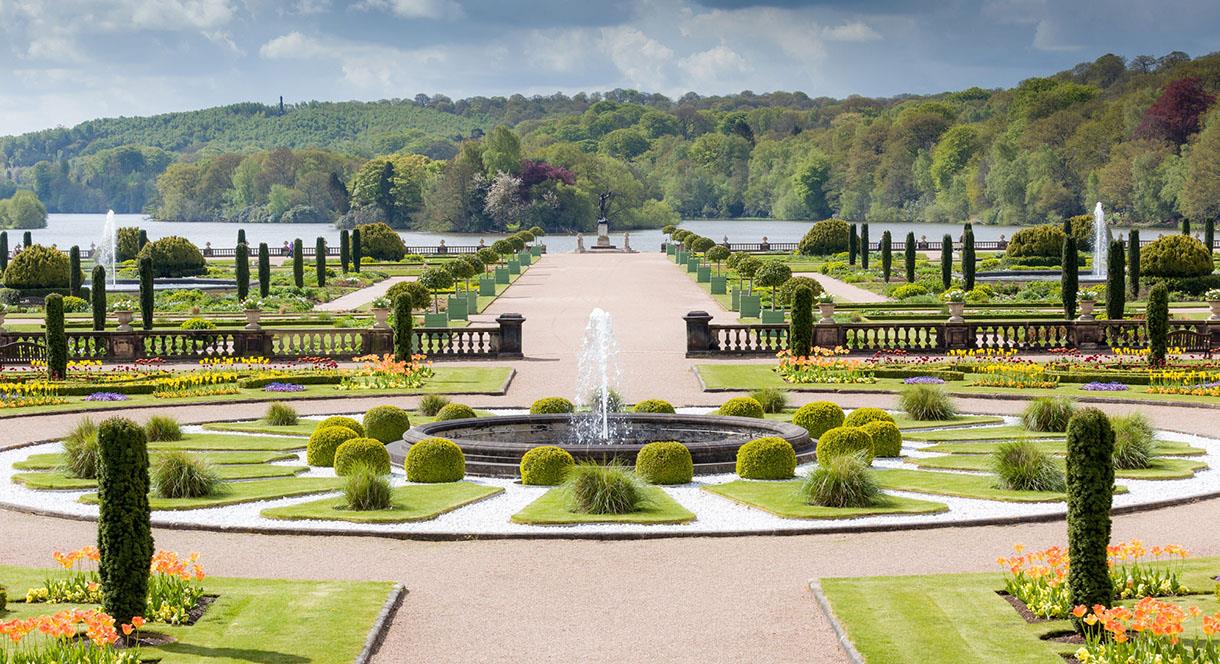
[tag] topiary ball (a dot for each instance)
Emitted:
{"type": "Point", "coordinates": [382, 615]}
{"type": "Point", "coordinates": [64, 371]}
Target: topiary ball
{"type": "Point", "coordinates": [887, 439]}
{"type": "Point", "coordinates": [353, 452]}
{"type": "Point", "coordinates": [552, 406]}
{"type": "Point", "coordinates": [741, 407]}
{"type": "Point", "coordinates": [174, 256]}
{"type": "Point", "coordinates": [545, 465]}
{"type": "Point", "coordinates": [339, 421]}
{"type": "Point", "coordinates": [322, 444]}
{"type": "Point", "coordinates": [434, 460]}
{"type": "Point", "coordinates": [653, 406]}
{"type": "Point", "coordinates": [769, 458]}
{"type": "Point", "coordinates": [665, 462]}
{"type": "Point", "coordinates": [386, 423]}
{"type": "Point", "coordinates": [818, 417]}
{"type": "Point", "coordinates": [455, 411]}
{"type": "Point", "coordinates": [38, 267]}
{"type": "Point", "coordinates": [1175, 256]}
{"type": "Point", "coordinates": [861, 416]}
{"type": "Point", "coordinates": [845, 440]}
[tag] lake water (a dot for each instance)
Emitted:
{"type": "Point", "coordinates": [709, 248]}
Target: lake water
{"type": "Point", "coordinates": [65, 230]}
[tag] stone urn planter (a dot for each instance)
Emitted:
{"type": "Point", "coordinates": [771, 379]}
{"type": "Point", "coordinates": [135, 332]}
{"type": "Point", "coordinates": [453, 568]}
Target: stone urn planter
{"type": "Point", "coordinates": [827, 311]}
{"type": "Point", "coordinates": [380, 316]}
{"type": "Point", "coordinates": [956, 309]}
{"type": "Point", "coordinates": [124, 318]}
{"type": "Point", "coordinates": [1214, 304]}
{"type": "Point", "coordinates": [1086, 310]}
{"type": "Point", "coordinates": [252, 318]}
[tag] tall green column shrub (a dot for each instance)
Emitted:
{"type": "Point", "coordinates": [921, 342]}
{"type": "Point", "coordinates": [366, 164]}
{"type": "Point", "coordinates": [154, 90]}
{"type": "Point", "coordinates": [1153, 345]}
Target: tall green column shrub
{"type": "Point", "coordinates": [403, 323]}
{"type": "Point", "coordinates": [27, 239]}
{"type": "Point", "coordinates": [1090, 492]}
{"type": "Point", "coordinates": [97, 297]}
{"type": "Point", "coordinates": [969, 262]}
{"type": "Point", "coordinates": [1186, 226]}
{"type": "Point", "coordinates": [1157, 317]}
{"type": "Point", "coordinates": [908, 255]}
{"type": "Point", "coordinates": [124, 531]}
{"type": "Point", "coordinates": [1209, 235]}
{"type": "Point", "coordinates": [800, 328]}
{"type": "Point", "coordinates": [853, 245]}
{"type": "Point", "coordinates": [864, 246]}
{"type": "Point", "coordinates": [3, 251]}
{"type": "Point", "coordinates": [141, 239]}
{"type": "Point", "coordinates": [264, 269]}
{"type": "Point", "coordinates": [887, 255]}
{"type": "Point", "coordinates": [1116, 287]}
{"type": "Point", "coordinates": [145, 268]}
{"type": "Point", "coordinates": [298, 263]}
{"type": "Point", "coordinates": [319, 260]}
{"type": "Point", "coordinates": [1133, 263]}
{"type": "Point", "coordinates": [241, 236]}
{"type": "Point", "coordinates": [1070, 277]}
{"type": "Point", "coordinates": [946, 261]}
{"type": "Point", "coordinates": [243, 271]}
{"type": "Point", "coordinates": [357, 250]}
{"type": "Point", "coordinates": [345, 250]}
{"type": "Point", "coordinates": [74, 275]}
{"type": "Point", "coordinates": [56, 338]}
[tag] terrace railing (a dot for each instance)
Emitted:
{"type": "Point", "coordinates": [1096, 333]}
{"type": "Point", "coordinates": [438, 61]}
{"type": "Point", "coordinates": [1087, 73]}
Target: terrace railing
{"type": "Point", "coordinates": [310, 250]}
{"type": "Point", "coordinates": [897, 246]}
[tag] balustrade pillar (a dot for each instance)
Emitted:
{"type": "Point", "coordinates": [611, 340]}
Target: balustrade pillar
{"type": "Point", "coordinates": [378, 341]}
{"type": "Point", "coordinates": [124, 346]}
{"type": "Point", "coordinates": [510, 335]}
{"type": "Point", "coordinates": [699, 339]}
{"type": "Point", "coordinates": [252, 343]}
{"type": "Point", "coordinates": [1213, 332]}
{"type": "Point", "coordinates": [828, 335]}
{"type": "Point", "coordinates": [1086, 334]}
{"type": "Point", "coordinates": [957, 336]}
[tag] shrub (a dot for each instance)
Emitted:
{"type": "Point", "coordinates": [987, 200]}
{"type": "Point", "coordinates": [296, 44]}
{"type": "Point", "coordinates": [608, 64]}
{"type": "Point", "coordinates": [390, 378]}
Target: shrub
{"type": "Point", "coordinates": [97, 297]}
{"type": "Point", "coordinates": [788, 290]}
{"type": "Point", "coordinates": [174, 256]}
{"type": "Point", "coordinates": [124, 530]}
{"type": "Point", "coordinates": [431, 404]}
{"type": "Point", "coordinates": [830, 236]}
{"type": "Point", "coordinates": [324, 441]}
{"type": "Point", "coordinates": [37, 267]}
{"type": "Point", "coordinates": [1022, 466]}
{"type": "Point", "coordinates": [926, 403]}
{"type": "Point", "coordinates": [845, 440]}
{"type": "Point", "coordinates": [197, 324]}
{"type": "Point", "coordinates": [75, 305]}
{"type": "Point", "coordinates": [887, 439]}
{"type": "Point", "coordinates": [434, 460]}
{"type": "Point", "coordinates": [653, 406]}
{"type": "Point", "coordinates": [1090, 489]}
{"type": "Point", "coordinates": [386, 423]}
{"type": "Point", "coordinates": [1045, 241]}
{"type": "Point", "coordinates": [381, 242]}
{"type": "Point", "coordinates": [552, 406]}
{"type": "Point", "coordinates": [415, 292]}
{"type": "Point", "coordinates": [404, 337]}
{"type": "Point", "coordinates": [340, 421]}
{"type": "Point", "coordinates": [772, 400]}
{"type": "Point", "coordinates": [741, 407]}
{"type": "Point", "coordinates": [818, 417]}
{"type": "Point", "coordinates": [843, 481]}
{"type": "Point", "coordinates": [861, 416]}
{"type": "Point", "coordinates": [545, 465]}
{"type": "Point", "coordinates": [1048, 414]}
{"type": "Point", "coordinates": [1158, 324]}
{"type": "Point", "coordinates": [160, 428]}
{"type": "Point", "coordinates": [455, 411]}
{"type": "Point", "coordinates": [1175, 256]}
{"type": "Point", "coordinates": [280, 415]}
{"type": "Point", "coordinates": [365, 489]}
{"type": "Point", "coordinates": [1134, 441]}
{"type": "Point", "coordinates": [800, 329]}
{"type": "Point", "coordinates": [56, 337]}
{"type": "Point", "coordinates": [611, 489]}
{"type": "Point", "coordinates": [767, 458]}
{"type": "Point", "coordinates": [908, 290]}
{"type": "Point", "coordinates": [178, 474]}
{"type": "Point", "coordinates": [356, 452]}
{"type": "Point", "coordinates": [81, 453]}
{"type": "Point", "coordinates": [665, 462]}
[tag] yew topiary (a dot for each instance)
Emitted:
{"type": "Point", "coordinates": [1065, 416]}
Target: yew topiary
{"type": "Point", "coordinates": [818, 417]}
{"type": "Point", "coordinates": [830, 236]}
{"type": "Point", "coordinates": [741, 407]}
{"type": "Point", "coordinates": [340, 421]}
{"type": "Point", "coordinates": [434, 460]}
{"type": "Point", "coordinates": [386, 423]}
{"type": "Point", "coordinates": [1175, 256]}
{"type": "Point", "coordinates": [381, 242]}
{"type": "Point", "coordinates": [455, 411]}
{"type": "Point", "coordinates": [768, 458]}
{"type": "Point", "coordinates": [356, 452]}
{"type": "Point", "coordinates": [174, 256]}
{"type": "Point", "coordinates": [665, 462]}
{"type": "Point", "coordinates": [653, 406]}
{"type": "Point", "coordinates": [861, 416]}
{"type": "Point", "coordinates": [37, 267]}
{"type": "Point", "coordinates": [124, 529]}
{"type": "Point", "coordinates": [545, 465]}
{"type": "Point", "coordinates": [1045, 241]}
{"type": "Point", "coordinates": [887, 439]}
{"type": "Point", "coordinates": [1090, 489]}
{"type": "Point", "coordinates": [845, 440]}
{"type": "Point", "coordinates": [552, 406]}
{"type": "Point", "coordinates": [320, 451]}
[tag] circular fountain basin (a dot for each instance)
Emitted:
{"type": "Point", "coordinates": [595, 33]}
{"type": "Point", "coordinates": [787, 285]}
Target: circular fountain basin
{"type": "Point", "coordinates": [493, 446]}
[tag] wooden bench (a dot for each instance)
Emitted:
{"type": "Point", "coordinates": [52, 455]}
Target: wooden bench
{"type": "Point", "coordinates": [1190, 341]}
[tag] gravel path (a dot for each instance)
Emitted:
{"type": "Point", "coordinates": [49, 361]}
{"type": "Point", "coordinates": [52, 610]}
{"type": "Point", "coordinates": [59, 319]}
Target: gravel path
{"type": "Point", "coordinates": [842, 291]}
{"type": "Point", "coordinates": [361, 297]}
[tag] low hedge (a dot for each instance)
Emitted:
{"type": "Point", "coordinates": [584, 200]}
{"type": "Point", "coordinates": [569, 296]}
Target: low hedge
{"type": "Point", "coordinates": [386, 423]}
{"type": "Point", "coordinates": [845, 440]}
{"type": "Point", "coordinates": [545, 465]}
{"type": "Point", "coordinates": [818, 417]}
{"type": "Point", "coordinates": [367, 451]}
{"type": "Point", "coordinates": [887, 439]}
{"type": "Point", "coordinates": [320, 451]}
{"type": "Point", "coordinates": [942, 374]}
{"type": "Point", "coordinates": [435, 460]}
{"type": "Point", "coordinates": [340, 421]}
{"type": "Point", "coordinates": [552, 406]}
{"type": "Point", "coordinates": [665, 462]}
{"type": "Point", "coordinates": [768, 458]}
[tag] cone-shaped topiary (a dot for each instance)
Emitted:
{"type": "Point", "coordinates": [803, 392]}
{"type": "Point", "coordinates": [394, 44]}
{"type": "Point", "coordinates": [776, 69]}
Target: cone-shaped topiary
{"type": "Point", "coordinates": [357, 452]}
{"type": "Point", "coordinates": [1069, 283]}
{"type": "Point", "coordinates": [340, 421]}
{"type": "Point", "coordinates": [741, 407]}
{"type": "Point", "coordinates": [242, 263]}
{"type": "Point", "coordinates": [74, 274]}
{"type": "Point", "coordinates": [845, 440]}
{"type": "Point", "coordinates": [147, 296]}
{"type": "Point", "coordinates": [653, 406]}
{"type": "Point", "coordinates": [56, 337]}
{"type": "Point", "coordinates": [298, 264]}
{"type": "Point", "coordinates": [665, 462]}
{"type": "Point", "coordinates": [768, 458]}
{"type": "Point", "coordinates": [124, 531]}
{"type": "Point", "coordinates": [908, 258]}
{"type": "Point", "coordinates": [455, 411]}
{"type": "Point", "coordinates": [1090, 489]}
{"type": "Point", "coordinates": [345, 250]}
{"type": "Point", "coordinates": [1133, 262]}
{"type": "Point", "coordinates": [818, 417]}
{"type": "Point", "coordinates": [545, 465]}
{"type": "Point", "coordinates": [319, 260]}
{"type": "Point", "coordinates": [1116, 288]}
{"type": "Point", "coordinates": [552, 406]}
{"type": "Point", "coordinates": [887, 439]}
{"type": "Point", "coordinates": [861, 416]}
{"type": "Point", "coordinates": [800, 330]}
{"type": "Point", "coordinates": [887, 255]}
{"type": "Point", "coordinates": [1158, 324]}
{"type": "Point", "coordinates": [386, 423]}
{"type": "Point", "coordinates": [433, 460]}
{"type": "Point", "coordinates": [357, 250]}
{"type": "Point", "coordinates": [324, 441]}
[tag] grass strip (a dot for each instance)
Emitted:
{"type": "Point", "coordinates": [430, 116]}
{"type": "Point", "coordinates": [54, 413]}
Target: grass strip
{"type": "Point", "coordinates": [235, 493]}
{"type": "Point", "coordinates": [54, 460]}
{"type": "Point", "coordinates": [784, 499]}
{"type": "Point", "coordinates": [60, 480]}
{"type": "Point", "coordinates": [1161, 468]}
{"type": "Point", "coordinates": [551, 509]}
{"type": "Point", "coordinates": [416, 502]}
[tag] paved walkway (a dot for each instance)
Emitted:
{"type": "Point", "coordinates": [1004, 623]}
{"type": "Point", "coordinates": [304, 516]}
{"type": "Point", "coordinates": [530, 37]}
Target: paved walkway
{"type": "Point", "coordinates": [356, 299]}
{"type": "Point", "coordinates": [842, 291]}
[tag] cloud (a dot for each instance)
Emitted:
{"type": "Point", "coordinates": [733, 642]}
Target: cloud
{"type": "Point", "coordinates": [369, 67]}
{"type": "Point", "coordinates": [434, 9]}
{"type": "Point", "coordinates": [855, 31]}
{"type": "Point", "coordinates": [642, 60]}
{"type": "Point", "coordinates": [713, 66]}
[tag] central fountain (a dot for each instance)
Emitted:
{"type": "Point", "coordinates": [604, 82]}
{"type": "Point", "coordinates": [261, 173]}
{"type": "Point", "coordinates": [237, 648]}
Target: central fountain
{"type": "Point", "coordinates": [107, 251]}
{"type": "Point", "coordinates": [1101, 243]}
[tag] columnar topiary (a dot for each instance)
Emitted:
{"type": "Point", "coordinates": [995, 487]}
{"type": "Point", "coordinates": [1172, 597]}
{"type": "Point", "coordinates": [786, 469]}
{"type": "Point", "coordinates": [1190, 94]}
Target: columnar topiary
{"type": "Point", "coordinates": [1176, 256]}
{"type": "Point", "coordinates": [864, 244]}
{"type": "Point", "coordinates": [1158, 324]}
{"type": "Point", "coordinates": [97, 297]}
{"type": "Point", "coordinates": [27, 239]}
{"type": "Point", "coordinates": [357, 250]}
{"type": "Point", "coordinates": [433, 460]}
{"type": "Point", "coordinates": [769, 458]}
{"type": "Point", "coordinates": [141, 240]}
{"type": "Point", "coordinates": [552, 406]}
{"type": "Point", "coordinates": [174, 256]}
{"type": "Point", "coordinates": [665, 462]}
{"type": "Point", "coordinates": [887, 439]}
{"type": "Point", "coordinates": [653, 406]}
{"type": "Point", "coordinates": [946, 261]}
{"type": "Point", "coordinates": [908, 257]}
{"type": "Point", "coordinates": [1209, 235]}
{"type": "Point", "coordinates": [861, 416]}
{"type": "Point", "coordinates": [455, 411]}
{"type": "Point", "coordinates": [829, 236]}
{"type": "Point", "coordinates": [298, 263]}
{"type": "Point", "coordinates": [340, 421]}
{"type": "Point", "coordinates": [242, 265]}
{"type": "Point", "coordinates": [968, 258]}
{"type": "Point", "coordinates": [241, 236]}
{"type": "Point", "coordinates": [853, 246]}
{"type": "Point", "coordinates": [1090, 489]}
{"type": "Point", "coordinates": [355, 452]}
{"type": "Point", "coordinates": [319, 260]}
{"type": "Point", "coordinates": [320, 451]}
{"type": "Point", "coordinates": [3, 251]}
{"type": "Point", "coordinates": [1070, 279]}
{"type": "Point", "coordinates": [845, 440]}
{"type": "Point", "coordinates": [264, 270]}
{"type": "Point", "coordinates": [124, 531]}
{"type": "Point", "coordinates": [404, 335]}
{"type": "Point", "coordinates": [386, 423]}
{"type": "Point", "coordinates": [545, 465]}
{"type": "Point", "coordinates": [818, 417]}
{"type": "Point", "coordinates": [800, 330]}
{"type": "Point", "coordinates": [741, 407]}
{"type": "Point", "coordinates": [887, 255]}
{"type": "Point", "coordinates": [74, 274]}
{"type": "Point", "coordinates": [345, 250]}
{"type": "Point", "coordinates": [147, 295]}
{"type": "Point", "coordinates": [1133, 263]}
{"type": "Point", "coordinates": [1116, 288]}
{"type": "Point", "coordinates": [56, 338]}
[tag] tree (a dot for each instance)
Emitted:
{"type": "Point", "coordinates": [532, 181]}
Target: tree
{"type": "Point", "coordinates": [24, 210]}
{"type": "Point", "coordinates": [946, 262]}
{"type": "Point", "coordinates": [3, 251]}
{"type": "Point", "coordinates": [1200, 193]}
{"type": "Point", "coordinates": [1116, 289]}
{"type": "Point", "coordinates": [298, 263]}
{"type": "Point", "coordinates": [1174, 116]}
{"type": "Point", "coordinates": [1090, 494]}
{"type": "Point", "coordinates": [243, 270]}
{"type": "Point", "coordinates": [1209, 234]}
{"type": "Point", "coordinates": [97, 298]}
{"type": "Point", "coordinates": [502, 151]}
{"type": "Point", "coordinates": [909, 257]}
{"type": "Point", "coordinates": [772, 274]}
{"type": "Point", "coordinates": [74, 273]}
{"type": "Point", "coordinates": [1186, 226]}
{"type": "Point", "coordinates": [345, 250]}
{"type": "Point", "coordinates": [1133, 263]}
{"type": "Point", "coordinates": [968, 258]}
{"type": "Point", "coordinates": [800, 330]}
{"type": "Point", "coordinates": [853, 245]}
{"type": "Point", "coordinates": [436, 279]}
{"type": "Point", "coordinates": [147, 295]}
{"type": "Point", "coordinates": [1157, 315]}
{"type": "Point", "coordinates": [56, 338]}
{"type": "Point", "coordinates": [124, 529]}
{"type": "Point", "coordinates": [809, 183]}
{"type": "Point", "coordinates": [887, 255]}
{"type": "Point", "coordinates": [264, 270]}
{"type": "Point", "coordinates": [319, 260]}
{"type": "Point", "coordinates": [864, 246]}
{"type": "Point", "coordinates": [1070, 279]}
{"type": "Point", "coordinates": [357, 250]}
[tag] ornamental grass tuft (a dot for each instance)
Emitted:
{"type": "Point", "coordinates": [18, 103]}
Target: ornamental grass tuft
{"type": "Point", "coordinates": [843, 481]}
{"type": "Point", "coordinates": [1023, 466]}
{"type": "Point", "coordinates": [592, 488]}
{"type": "Point", "coordinates": [365, 489]}
{"type": "Point", "coordinates": [431, 404]}
{"type": "Point", "coordinates": [160, 428]}
{"type": "Point", "coordinates": [773, 400]}
{"type": "Point", "coordinates": [1134, 441]}
{"type": "Point", "coordinates": [1048, 414]}
{"type": "Point", "coordinates": [927, 402]}
{"type": "Point", "coordinates": [81, 450]}
{"type": "Point", "coordinates": [178, 474]}
{"type": "Point", "coordinates": [280, 415]}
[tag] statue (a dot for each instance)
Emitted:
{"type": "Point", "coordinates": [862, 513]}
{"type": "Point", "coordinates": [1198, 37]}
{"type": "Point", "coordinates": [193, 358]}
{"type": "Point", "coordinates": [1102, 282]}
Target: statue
{"type": "Point", "coordinates": [602, 200]}
{"type": "Point", "coordinates": [580, 244]}
{"type": "Point", "coordinates": [603, 225]}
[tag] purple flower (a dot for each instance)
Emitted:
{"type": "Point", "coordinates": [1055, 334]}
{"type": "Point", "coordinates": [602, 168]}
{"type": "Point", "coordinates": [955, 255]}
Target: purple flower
{"type": "Point", "coordinates": [1104, 387]}
{"type": "Point", "coordinates": [284, 387]}
{"type": "Point", "coordinates": [106, 396]}
{"type": "Point", "coordinates": [923, 380]}
{"type": "Point", "coordinates": [1206, 386]}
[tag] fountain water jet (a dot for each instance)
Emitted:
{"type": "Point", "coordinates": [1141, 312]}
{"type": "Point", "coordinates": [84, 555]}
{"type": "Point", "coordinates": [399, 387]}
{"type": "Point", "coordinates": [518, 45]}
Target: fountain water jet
{"type": "Point", "coordinates": [598, 376]}
{"type": "Point", "coordinates": [107, 250]}
{"type": "Point", "coordinates": [1101, 244]}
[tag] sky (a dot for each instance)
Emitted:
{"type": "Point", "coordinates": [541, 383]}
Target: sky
{"type": "Point", "coordinates": [66, 61]}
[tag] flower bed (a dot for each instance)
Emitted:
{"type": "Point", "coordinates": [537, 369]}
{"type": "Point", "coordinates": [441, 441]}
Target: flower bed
{"type": "Point", "coordinates": [1104, 387]}
{"type": "Point", "coordinates": [823, 369]}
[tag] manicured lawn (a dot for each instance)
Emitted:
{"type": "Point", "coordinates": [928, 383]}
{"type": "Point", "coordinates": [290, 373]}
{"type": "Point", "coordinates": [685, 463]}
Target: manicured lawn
{"type": "Point", "coordinates": [1161, 469]}
{"type": "Point", "coordinates": [234, 493]}
{"type": "Point", "coordinates": [218, 441]}
{"type": "Point", "coordinates": [416, 502]}
{"type": "Point", "coordinates": [53, 460]}
{"type": "Point", "coordinates": [907, 423]}
{"type": "Point", "coordinates": [1057, 447]}
{"type": "Point", "coordinates": [552, 509]}
{"type": "Point", "coordinates": [56, 479]}
{"type": "Point", "coordinates": [278, 621]}
{"type": "Point", "coordinates": [957, 484]}
{"type": "Point", "coordinates": [784, 499]}
{"type": "Point", "coordinates": [303, 427]}
{"type": "Point", "coordinates": [1009, 432]}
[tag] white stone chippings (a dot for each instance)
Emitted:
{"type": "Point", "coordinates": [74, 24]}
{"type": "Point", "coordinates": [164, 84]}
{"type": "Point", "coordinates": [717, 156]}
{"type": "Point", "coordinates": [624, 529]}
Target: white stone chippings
{"type": "Point", "coordinates": [713, 513]}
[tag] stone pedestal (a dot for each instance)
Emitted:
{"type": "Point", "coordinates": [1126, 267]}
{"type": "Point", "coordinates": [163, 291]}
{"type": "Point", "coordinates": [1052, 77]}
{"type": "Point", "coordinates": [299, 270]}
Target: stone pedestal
{"type": "Point", "coordinates": [699, 339]}
{"type": "Point", "coordinates": [603, 234]}
{"type": "Point", "coordinates": [510, 334]}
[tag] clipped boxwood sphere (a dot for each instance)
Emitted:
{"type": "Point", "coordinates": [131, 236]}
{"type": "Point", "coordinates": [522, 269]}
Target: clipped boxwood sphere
{"type": "Point", "coordinates": [455, 411]}
{"type": "Point", "coordinates": [433, 460]}
{"type": "Point", "coordinates": [769, 458]}
{"type": "Point", "coordinates": [355, 451]}
{"type": "Point", "coordinates": [174, 256]}
{"type": "Point", "coordinates": [887, 439]}
{"type": "Point", "coordinates": [545, 465]}
{"type": "Point", "coordinates": [818, 417]}
{"type": "Point", "coordinates": [552, 406]}
{"type": "Point", "coordinates": [653, 406]}
{"type": "Point", "coordinates": [340, 421]}
{"type": "Point", "coordinates": [386, 423]}
{"type": "Point", "coordinates": [845, 440]}
{"type": "Point", "coordinates": [741, 407]}
{"type": "Point", "coordinates": [1175, 256]}
{"type": "Point", "coordinates": [861, 416]}
{"type": "Point", "coordinates": [37, 267]}
{"type": "Point", "coordinates": [322, 444]}
{"type": "Point", "coordinates": [665, 462]}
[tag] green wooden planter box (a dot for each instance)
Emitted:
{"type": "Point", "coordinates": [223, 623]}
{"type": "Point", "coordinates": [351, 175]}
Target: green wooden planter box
{"type": "Point", "coordinates": [457, 307]}
{"type": "Point", "coordinates": [692, 264]}
{"type": "Point", "coordinates": [703, 274]}
{"type": "Point", "coordinates": [436, 320]}
{"type": "Point", "coordinates": [501, 275]}
{"type": "Point", "coordinates": [670, 250]}
{"type": "Point", "coordinates": [772, 316]}
{"type": "Point", "coordinates": [487, 285]}
{"type": "Point", "coordinates": [749, 305]}
{"type": "Point", "coordinates": [735, 299]}
{"type": "Point", "coordinates": [514, 267]}
{"type": "Point", "coordinates": [536, 251]}
{"type": "Point", "coordinates": [720, 285]}
{"type": "Point", "coordinates": [680, 257]}
{"type": "Point", "coordinates": [525, 258]}
{"type": "Point", "coordinates": [472, 302]}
